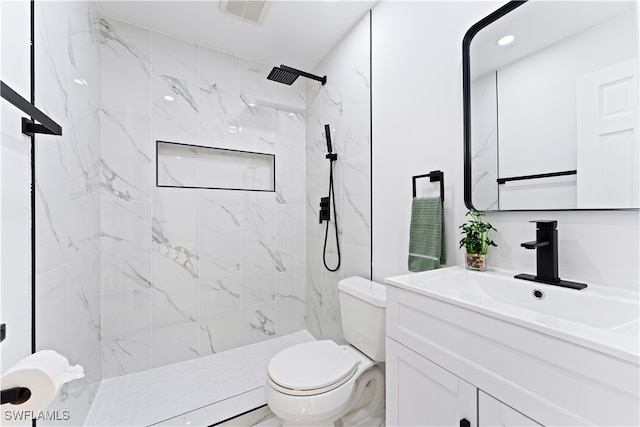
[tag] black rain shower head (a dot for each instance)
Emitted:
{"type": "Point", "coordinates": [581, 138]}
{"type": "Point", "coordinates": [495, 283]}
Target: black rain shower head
{"type": "Point", "coordinates": [288, 75]}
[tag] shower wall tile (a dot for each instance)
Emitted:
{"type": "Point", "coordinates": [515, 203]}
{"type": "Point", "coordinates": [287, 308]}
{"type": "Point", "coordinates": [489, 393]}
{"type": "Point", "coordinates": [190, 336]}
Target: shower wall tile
{"type": "Point", "coordinates": [52, 159]}
{"type": "Point", "coordinates": [68, 292]}
{"type": "Point", "coordinates": [357, 174]}
{"type": "Point", "coordinates": [291, 244]}
{"type": "Point", "coordinates": [290, 300]}
{"type": "Point", "coordinates": [290, 166]}
{"type": "Point", "coordinates": [257, 116]}
{"type": "Point", "coordinates": [258, 289]}
{"type": "Point", "coordinates": [175, 109]}
{"type": "Point", "coordinates": [127, 155]}
{"type": "Point", "coordinates": [51, 300]}
{"type": "Point", "coordinates": [126, 311]}
{"type": "Point", "coordinates": [125, 57]}
{"type": "Point", "coordinates": [218, 296]}
{"type": "Point", "coordinates": [175, 285]}
{"type": "Point", "coordinates": [221, 256]}
{"type": "Point", "coordinates": [258, 216]}
{"type": "Point", "coordinates": [258, 324]}
{"type": "Point", "coordinates": [127, 176]}
{"type": "Point", "coordinates": [173, 57]}
{"type": "Point", "coordinates": [292, 98]}
{"type": "Point", "coordinates": [344, 104]}
{"type": "Point", "coordinates": [220, 210]}
{"type": "Point", "coordinates": [356, 220]}
{"type": "Point", "coordinates": [175, 344]}
{"type": "Point", "coordinates": [51, 205]}
{"type": "Point", "coordinates": [357, 260]}
{"type": "Point", "coordinates": [125, 245]}
{"type": "Point", "coordinates": [175, 215]}
{"type": "Point", "coordinates": [203, 265]}
{"type": "Point", "coordinates": [220, 332]}
{"type": "Point", "coordinates": [126, 352]}
{"type": "Point", "coordinates": [220, 103]}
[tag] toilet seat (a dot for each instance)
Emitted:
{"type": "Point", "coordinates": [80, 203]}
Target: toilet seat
{"type": "Point", "coordinates": [311, 368]}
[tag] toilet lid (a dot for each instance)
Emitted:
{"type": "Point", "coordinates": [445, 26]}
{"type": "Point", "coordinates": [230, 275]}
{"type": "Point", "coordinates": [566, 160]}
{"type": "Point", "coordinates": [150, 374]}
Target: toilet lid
{"type": "Point", "coordinates": [317, 366]}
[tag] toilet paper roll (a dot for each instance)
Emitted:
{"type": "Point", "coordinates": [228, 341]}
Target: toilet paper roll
{"type": "Point", "coordinates": [43, 373]}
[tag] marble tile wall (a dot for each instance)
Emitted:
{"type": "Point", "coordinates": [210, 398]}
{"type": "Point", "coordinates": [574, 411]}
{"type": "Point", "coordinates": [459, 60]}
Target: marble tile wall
{"type": "Point", "coordinates": [344, 104]}
{"type": "Point", "coordinates": [68, 306]}
{"type": "Point", "coordinates": [190, 272]}
{"type": "Point", "coordinates": [484, 137]}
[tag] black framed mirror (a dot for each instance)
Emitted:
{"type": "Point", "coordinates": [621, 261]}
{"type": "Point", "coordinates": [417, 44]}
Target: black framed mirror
{"type": "Point", "coordinates": [551, 107]}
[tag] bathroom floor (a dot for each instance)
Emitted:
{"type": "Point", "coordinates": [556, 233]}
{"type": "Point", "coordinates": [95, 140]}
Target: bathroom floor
{"type": "Point", "coordinates": [199, 392]}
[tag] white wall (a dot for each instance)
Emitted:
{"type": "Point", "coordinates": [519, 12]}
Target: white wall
{"type": "Point", "coordinates": [417, 127]}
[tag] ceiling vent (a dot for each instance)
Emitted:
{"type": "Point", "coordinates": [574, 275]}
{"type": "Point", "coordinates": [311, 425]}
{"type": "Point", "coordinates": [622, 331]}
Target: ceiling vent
{"type": "Point", "coordinates": [248, 10]}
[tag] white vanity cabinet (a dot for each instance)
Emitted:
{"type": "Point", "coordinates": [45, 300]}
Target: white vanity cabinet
{"type": "Point", "coordinates": [424, 394]}
{"type": "Point", "coordinates": [448, 363]}
{"type": "Point", "coordinates": [495, 413]}
{"type": "Point", "coordinates": [421, 393]}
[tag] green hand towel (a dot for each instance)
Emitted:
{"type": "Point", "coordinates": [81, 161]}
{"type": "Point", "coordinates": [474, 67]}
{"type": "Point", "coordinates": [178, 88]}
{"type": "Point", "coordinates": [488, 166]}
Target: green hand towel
{"type": "Point", "coordinates": [426, 236]}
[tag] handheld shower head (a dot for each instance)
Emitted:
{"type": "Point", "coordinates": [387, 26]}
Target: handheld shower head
{"type": "Point", "coordinates": [288, 75]}
{"type": "Point", "coordinates": [330, 154]}
{"type": "Point", "coordinates": [327, 132]}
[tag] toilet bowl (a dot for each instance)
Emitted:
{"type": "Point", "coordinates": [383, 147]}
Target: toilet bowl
{"type": "Point", "coordinates": [323, 383]}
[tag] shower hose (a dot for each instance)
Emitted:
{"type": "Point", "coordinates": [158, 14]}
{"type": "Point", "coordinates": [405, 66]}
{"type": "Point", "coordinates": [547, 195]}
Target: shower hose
{"type": "Point", "coordinates": [335, 219]}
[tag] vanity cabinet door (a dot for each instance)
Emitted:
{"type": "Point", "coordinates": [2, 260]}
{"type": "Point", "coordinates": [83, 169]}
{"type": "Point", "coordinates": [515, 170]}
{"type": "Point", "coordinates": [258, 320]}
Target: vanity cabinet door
{"type": "Point", "coordinates": [421, 393]}
{"type": "Point", "coordinates": [493, 412]}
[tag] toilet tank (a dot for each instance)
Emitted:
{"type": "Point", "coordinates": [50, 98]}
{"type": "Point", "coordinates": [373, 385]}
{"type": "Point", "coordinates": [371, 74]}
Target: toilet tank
{"type": "Point", "coordinates": [363, 306]}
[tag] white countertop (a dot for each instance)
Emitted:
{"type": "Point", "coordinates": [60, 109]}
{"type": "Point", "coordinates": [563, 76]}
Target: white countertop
{"type": "Point", "coordinates": [598, 317]}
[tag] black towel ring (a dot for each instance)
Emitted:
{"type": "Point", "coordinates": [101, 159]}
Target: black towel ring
{"type": "Point", "coordinates": [433, 177]}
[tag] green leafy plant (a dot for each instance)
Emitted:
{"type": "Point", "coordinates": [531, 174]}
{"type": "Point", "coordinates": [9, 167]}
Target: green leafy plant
{"type": "Point", "coordinates": [475, 232]}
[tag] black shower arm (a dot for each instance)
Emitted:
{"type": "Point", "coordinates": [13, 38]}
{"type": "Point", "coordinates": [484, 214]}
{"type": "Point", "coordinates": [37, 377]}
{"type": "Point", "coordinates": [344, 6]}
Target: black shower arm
{"type": "Point", "coordinates": [323, 79]}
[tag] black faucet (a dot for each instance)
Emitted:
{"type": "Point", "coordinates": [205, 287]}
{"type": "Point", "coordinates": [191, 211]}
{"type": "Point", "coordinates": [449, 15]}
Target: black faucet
{"type": "Point", "coordinates": [546, 246]}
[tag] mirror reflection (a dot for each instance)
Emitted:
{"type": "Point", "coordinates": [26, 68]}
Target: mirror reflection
{"type": "Point", "coordinates": [554, 108]}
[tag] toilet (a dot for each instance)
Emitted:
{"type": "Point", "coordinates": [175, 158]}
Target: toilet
{"type": "Point", "coordinates": [321, 383]}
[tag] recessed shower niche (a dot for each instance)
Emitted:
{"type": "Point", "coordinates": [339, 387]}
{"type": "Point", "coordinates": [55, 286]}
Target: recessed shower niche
{"type": "Point", "coordinates": [193, 166]}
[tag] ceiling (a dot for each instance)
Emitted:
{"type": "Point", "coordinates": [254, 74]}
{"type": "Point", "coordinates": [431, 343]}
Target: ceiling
{"type": "Point", "coordinates": [537, 25]}
{"type": "Point", "coordinates": [295, 33]}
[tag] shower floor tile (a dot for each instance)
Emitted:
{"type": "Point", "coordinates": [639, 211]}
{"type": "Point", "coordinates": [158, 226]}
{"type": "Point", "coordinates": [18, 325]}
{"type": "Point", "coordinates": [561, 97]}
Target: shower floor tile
{"type": "Point", "coordinates": [202, 391]}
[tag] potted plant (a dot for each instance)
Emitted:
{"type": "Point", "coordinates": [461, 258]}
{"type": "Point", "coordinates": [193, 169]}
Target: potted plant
{"type": "Point", "coordinates": [476, 240]}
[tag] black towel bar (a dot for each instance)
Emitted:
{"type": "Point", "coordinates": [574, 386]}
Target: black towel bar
{"type": "Point", "coordinates": [433, 177]}
{"type": "Point", "coordinates": [536, 176]}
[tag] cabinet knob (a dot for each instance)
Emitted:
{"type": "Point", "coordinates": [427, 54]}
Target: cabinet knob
{"type": "Point", "coordinates": [465, 423]}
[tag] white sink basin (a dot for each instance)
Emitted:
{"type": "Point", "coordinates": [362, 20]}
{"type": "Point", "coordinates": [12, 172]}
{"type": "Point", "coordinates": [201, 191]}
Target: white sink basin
{"type": "Point", "coordinates": [598, 317]}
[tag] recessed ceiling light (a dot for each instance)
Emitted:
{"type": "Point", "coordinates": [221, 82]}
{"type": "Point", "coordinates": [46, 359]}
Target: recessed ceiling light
{"type": "Point", "coordinates": [168, 97]}
{"type": "Point", "coordinates": [503, 41]}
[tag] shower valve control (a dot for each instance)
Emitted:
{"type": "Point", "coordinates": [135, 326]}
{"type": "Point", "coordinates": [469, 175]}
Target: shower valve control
{"type": "Point", "coordinates": [325, 213]}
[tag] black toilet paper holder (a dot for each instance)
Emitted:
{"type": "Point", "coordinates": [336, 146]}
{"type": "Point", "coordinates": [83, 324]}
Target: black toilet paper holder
{"type": "Point", "coordinates": [15, 395]}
